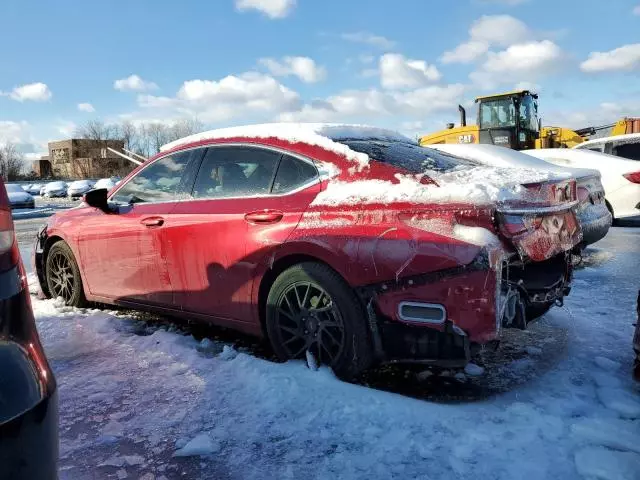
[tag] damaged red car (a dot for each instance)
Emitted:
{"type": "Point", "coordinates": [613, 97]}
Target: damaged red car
{"type": "Point", "coordinates": [353, 244]}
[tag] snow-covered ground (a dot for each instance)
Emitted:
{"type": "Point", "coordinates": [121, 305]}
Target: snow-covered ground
{"type": "Point", "coordinates": [140, 399]}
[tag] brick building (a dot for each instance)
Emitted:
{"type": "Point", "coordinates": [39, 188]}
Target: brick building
{"type": "Point", "coordinates": [83, 158]}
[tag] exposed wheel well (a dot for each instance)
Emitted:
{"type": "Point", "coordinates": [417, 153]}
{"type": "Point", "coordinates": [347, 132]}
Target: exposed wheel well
{"type": "Point", "coordinates": [270, 276]}
{"type": "Point", "coordinates": [610, 208]}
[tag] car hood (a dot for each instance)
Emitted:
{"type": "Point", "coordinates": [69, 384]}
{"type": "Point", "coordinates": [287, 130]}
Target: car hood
{"type": "Point", "coordinates": [19, 197]}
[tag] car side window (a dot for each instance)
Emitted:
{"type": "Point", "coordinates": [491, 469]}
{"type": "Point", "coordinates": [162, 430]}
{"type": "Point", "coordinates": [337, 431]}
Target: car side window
{"type": "Point", "coordinates": [159, 182]}
{"type": "Point", "coordinates": [235, 172]}
{"type": "Point", "coordinates": [293, 173]}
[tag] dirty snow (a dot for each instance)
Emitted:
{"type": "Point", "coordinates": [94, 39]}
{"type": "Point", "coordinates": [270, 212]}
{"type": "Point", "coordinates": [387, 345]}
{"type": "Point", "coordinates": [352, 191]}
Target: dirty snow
{"type": "Point", "coordinates": [133, 393]}
{"type": "Point", "coordinates": [324, 135]}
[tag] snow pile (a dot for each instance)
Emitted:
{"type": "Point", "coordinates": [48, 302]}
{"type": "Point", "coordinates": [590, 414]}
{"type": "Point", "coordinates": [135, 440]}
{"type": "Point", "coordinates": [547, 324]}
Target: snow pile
{"type": "Point", "coordinates": [478, 185]}
{"type": "Point", "coordinates": [132, 394]}
{"type": "Point", "coordinates": [202, 444]}
{"type": "Point", "coordinates": [324, 135]}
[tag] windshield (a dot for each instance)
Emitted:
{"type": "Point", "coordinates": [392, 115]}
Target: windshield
{"type": "Point", "coordinates": [407, 156]}
{"type": "Point", "coordinates": [497, 113]}
{"type": "Point", "coordinates": [13, 188]}
{"type": "Point", "coordinates": [529, 113]}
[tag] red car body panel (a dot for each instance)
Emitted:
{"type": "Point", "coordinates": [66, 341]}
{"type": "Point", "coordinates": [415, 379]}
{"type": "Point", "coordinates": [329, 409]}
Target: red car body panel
{"type": "Point", "coordinates": [208, 257]}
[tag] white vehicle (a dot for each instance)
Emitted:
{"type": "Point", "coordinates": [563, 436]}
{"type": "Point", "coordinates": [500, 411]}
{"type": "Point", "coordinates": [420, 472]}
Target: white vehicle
{"type": "Point", "coordinates": [79, 188]}
{"type": "Point", "coordinates": [18, 198]}
{"type": "Point", "coordinates": [592, 212]}
{"type": "Point", "coordinates": [620, 177]}
{"type": "Point", "coordinates": [107, 183]}
{"type": "Point", "coordinates": [625, 146]}
{"type": "Point", "coordinates": [55, 189]}
{"type": "Point", "coordinates": [34, 189]}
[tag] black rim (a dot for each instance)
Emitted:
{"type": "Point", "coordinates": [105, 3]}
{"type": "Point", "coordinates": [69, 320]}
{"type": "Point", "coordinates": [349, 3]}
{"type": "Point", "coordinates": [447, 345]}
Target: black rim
{"type": "Point", "coordinates": [61, 276]}
{"type": "Point", "coordinates": [308, 320]}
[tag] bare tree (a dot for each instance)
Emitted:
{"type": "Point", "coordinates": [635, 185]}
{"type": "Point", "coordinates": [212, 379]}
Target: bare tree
{"type": "Point", "coordinates": [11, 162]}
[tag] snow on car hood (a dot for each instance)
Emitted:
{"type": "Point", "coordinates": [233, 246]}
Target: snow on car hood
{"type": "Point", "coordinates": [478, 185]}
{"type": "Point", "coordinates": [324, 135]}
{"type": "Point", "coordinates": [18, 197]}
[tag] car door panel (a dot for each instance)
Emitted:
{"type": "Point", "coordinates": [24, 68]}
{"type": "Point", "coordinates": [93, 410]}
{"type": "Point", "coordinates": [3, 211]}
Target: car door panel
{"type": "Point", "coordinates": [224, 240]}
{"type": "Point", "coordinates": [124, 259]}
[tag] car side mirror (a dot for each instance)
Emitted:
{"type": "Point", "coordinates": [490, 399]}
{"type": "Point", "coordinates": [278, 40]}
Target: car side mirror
{"type": "Point", "coordinates": [98, 199]}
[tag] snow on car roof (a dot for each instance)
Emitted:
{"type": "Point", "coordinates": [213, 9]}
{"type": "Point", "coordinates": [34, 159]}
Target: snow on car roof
{"type": "Point", "coordinates": [627, 137]}
{"type": "Point", "coordinates": [324, 135]}
{"type": "Point", "coordinates": [497, 156]}
{"type": "Point", "coordinates": [586, 158]}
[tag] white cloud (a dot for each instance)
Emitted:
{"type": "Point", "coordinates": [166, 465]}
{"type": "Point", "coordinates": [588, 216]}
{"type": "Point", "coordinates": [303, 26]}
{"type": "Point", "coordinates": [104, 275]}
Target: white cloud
{"type": "Point", "coordinates": [487, 31]}
{"type": "Point", "coordinates": [304, 68]}
{"type": "Point", "coordinates": [86, 107]}
{"type": "Point", "coordinates": [271, 8]}
{"type": "Point", "coordinates": [363, 105]}
{"type": "Point", "coordinates": [521, 61]}
{"type": "Point", "coordinates": [133, 83]}
{"type": "Point", "coordinates": [396, 71]}
{"type": "Point", "coordinates": [636, 10]}
{"type": "Point", "coordinates": [533, 87]}
{"type": "Point", "coordinates": [367, 38]}
{"type": "Point", "coordinates": [625, 58]}
{"type": "Point", "coordinates": [13, 132]}
{"type": "Point", "coordinates": [66, 128]}
{"type": "Point", "coordinates": [465, 52]}
{"type": "Point", "coordinates": [35, 92]}
{"type": "Point", "coordinates": [234, 96]}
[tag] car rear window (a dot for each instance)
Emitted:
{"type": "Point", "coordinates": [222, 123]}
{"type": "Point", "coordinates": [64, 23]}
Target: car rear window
{"type": "Point", "coordinates": [407, 156]}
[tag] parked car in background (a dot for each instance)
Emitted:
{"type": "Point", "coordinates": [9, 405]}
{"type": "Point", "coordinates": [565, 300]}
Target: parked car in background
{"type": "Point", "coordinates": [625, 146]}
{"type": "Point", "coordinates": [34, 189]}
{"type": "Point", "coordinates": [620, 176]}
{"type": "Point", "coordinates": [18, 198]}
{"type": "Point", "coordinates": [28, 395]}
{"type": "Point", "coordinates": [349, 243]}
{"type": "Point", "coordinates": [55, 189]}
{"type": "Point", "coordinates": [592, 211]}
{"type": "Point", "coordinates": [107, 183]}
{"type": "Point", "coordinates": [79, 188]}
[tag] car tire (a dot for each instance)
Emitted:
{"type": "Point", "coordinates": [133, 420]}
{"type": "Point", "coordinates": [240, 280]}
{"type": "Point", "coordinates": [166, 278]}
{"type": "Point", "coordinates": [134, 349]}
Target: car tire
{"type": "Point", "coordinates": [63, 275]}
{"type": "Point", "coordinates": [533, 312]}
{"type": "Point", "coordinates": [333, 328]}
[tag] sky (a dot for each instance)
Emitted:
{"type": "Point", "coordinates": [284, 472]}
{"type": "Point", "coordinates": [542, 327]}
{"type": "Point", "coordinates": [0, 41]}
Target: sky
{"type": "Point", "coordinates": [405, 64]}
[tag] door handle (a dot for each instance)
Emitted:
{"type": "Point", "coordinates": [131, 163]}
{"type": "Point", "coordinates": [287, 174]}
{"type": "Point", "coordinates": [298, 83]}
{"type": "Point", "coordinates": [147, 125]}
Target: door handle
{"type": "Point", "coordinates": [264, 216]}
{"type": "Point", "coordinates": [152, 221]}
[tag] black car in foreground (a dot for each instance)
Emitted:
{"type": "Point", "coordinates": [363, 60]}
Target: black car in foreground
{"type": "Point", "coordinates": [28, 396]}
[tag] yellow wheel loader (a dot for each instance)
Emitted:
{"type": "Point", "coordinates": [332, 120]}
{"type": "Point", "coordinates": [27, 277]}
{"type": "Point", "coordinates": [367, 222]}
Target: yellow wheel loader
{"type": "Point", "coordinates": [511, 120]}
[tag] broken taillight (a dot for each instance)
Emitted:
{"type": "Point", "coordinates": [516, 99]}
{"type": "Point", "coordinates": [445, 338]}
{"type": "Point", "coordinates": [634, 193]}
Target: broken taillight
{"type": "Point", "coordinates": [632, 177]}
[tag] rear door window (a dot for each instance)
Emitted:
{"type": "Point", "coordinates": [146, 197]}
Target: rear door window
{"type": "Point", "coordinates": [407, 156]}
{"type": "Point", "coordinates": [293, 173]}
{"type": "Point", "coordinates": [236, 172]}
{"type": "Point", "coordinates": [628, 150]}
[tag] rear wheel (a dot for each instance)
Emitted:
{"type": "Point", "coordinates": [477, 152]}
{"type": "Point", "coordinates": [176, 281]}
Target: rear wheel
{"type": "Point", "coordinates": [310, 308]}
{"type": "Point", "coordinates": [533, 312]}
{"type": "Point", "coordinates": [63, 275]}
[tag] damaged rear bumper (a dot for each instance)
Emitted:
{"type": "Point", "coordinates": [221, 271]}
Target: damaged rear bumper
{"type": "Point", "coordinates": [478, 301]}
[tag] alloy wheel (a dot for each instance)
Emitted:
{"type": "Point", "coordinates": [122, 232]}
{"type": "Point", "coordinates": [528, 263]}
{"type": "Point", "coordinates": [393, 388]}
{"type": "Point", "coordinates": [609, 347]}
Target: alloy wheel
{"type": "Point", "coordinates": [308, 320]}
{"type": "Point", "coordinates": [61, 274]}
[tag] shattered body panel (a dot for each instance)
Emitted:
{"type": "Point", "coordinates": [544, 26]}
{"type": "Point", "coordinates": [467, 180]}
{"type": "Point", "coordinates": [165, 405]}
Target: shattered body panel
{"type": "Point", "coordinates": [207, 259]}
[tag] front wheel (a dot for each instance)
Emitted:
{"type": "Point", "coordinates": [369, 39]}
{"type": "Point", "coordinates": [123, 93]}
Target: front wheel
{"type": "Point", "coordinates": [63, 275]}
{"type": "Point", "coordinates": [310, 308]}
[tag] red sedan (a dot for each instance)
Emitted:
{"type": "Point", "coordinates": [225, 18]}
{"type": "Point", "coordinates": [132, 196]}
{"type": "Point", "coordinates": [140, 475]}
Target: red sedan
{"type": "Point", "coordinates": [352, 243]}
